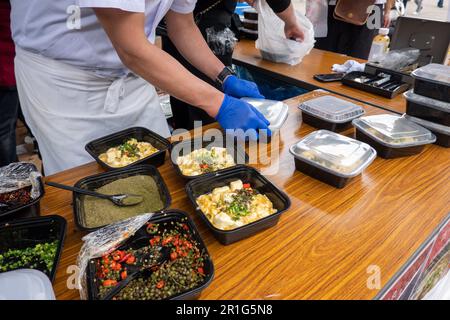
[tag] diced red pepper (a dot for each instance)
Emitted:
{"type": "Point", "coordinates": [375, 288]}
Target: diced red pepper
{"type": "Point", "coordinates": [200, 270]}
{"type": "Point", "coordinates": [123, 275]}
{"type": "Point", "coordinates": [131, 260]}
{"type": "Point", "coordinates": [246, 185]}
{"type": "Point", "coordinates": [160, 284]}
{"type": "Point", "coordinates": [109, 283]}
{"type": "Point", "coordinates": [173, 256]}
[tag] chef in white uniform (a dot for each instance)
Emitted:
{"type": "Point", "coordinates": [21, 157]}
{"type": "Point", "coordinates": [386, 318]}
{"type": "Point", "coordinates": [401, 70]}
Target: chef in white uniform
{"type": "Point", "coordinates": [86, 68]}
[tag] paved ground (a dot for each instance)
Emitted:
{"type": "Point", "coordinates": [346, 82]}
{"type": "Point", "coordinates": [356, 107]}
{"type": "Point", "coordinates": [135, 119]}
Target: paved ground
{"type": "Point", "coordinates": [429, 11]}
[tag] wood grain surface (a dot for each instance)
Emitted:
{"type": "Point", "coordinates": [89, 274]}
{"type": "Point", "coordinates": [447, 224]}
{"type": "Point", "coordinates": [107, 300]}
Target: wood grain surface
{"type": "Point", "coordinates": [317, 62]}
{"type": "Point", "coordinates": [321, 247]}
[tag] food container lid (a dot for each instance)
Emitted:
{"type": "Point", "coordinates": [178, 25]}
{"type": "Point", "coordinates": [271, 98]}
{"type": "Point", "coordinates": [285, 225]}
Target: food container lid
{"type": "Point", "coordinates": [276, 112]}
{"type": "Point", "coordinates": [332, 109]}
{"type": "Point", "coordinates": [394, 131]}
{"type": "Point", "coordinates": [425, 101]}
{"type": "Point", "coordinates": [335, 153]}
{"type": "Point", "coordinates": [435, 127]}
{"type": "Point", "coordinates": [433, 72]}
{"type": "Point", "coordinates": [25, 284]}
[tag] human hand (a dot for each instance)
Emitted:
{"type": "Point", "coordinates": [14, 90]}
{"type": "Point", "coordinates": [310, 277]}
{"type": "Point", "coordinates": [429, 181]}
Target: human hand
{"type": "Point", "coordinates": [237, 114]}
{"type": "Point", "coordinates": [294, 32]}
{"type": "Point", "coordinates": [238, 88]}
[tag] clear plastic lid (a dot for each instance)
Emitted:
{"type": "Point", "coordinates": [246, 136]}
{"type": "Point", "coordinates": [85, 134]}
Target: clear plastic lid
{"type": "Point", "coordinates": [25, 284]}
{"type": "Point", "coordinates": [394, 131]}
{"type": "Point", "coordinates": [433, 72]}
{"type": "Point", "coordinates": [332, 109]}
{"type": "Point", "coordinates": [435, 127]}
{"type": "Point", "coordinates": [425, 101]}
{"type": "Point", "coordinates": [276, 112]}
{"type": "Point", "coordinates": [335, 153]}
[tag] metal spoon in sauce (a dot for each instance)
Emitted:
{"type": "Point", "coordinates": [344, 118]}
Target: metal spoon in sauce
{"type": "Point", "coordinates": [121, 200]}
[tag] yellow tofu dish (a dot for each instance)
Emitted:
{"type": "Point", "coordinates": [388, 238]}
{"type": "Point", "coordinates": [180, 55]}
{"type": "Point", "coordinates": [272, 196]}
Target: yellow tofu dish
{"type": "Point", "coordinates": [204, 161]}
{"type": "Point", "coordinates": [235, 205]}
{"type": "Point", "coordinates": [127, 153]}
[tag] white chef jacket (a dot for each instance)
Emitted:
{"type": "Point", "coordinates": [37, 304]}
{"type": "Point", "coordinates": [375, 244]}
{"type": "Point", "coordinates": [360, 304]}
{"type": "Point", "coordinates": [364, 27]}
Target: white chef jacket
{"type": "Point", "coordinates": [72, 86]}
{"type": "Point", "coordinates": [69, 31]}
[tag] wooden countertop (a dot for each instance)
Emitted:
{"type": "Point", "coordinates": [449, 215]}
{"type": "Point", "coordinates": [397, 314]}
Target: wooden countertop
{"type": "Point", "coordinates": [317, 62]}
{"type": "Point", "coordinates": [324, 244]}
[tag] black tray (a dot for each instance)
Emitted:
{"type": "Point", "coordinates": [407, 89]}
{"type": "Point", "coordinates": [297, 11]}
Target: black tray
{"type": "Point", "coordinates": [280, 200]}
{"type": "Point", "coordinates": [167, 216]}
{"type": "Point", "coordinates": [101, 145]}
{"type": "Point", "coordinates": [25, 233]}
{"type": "Point", "coordinates": [432, 90]}
{"type": "Point", "coordinates": [430, 114]}
{"type": "Point", "coordinates": [349, 80]}
{"type": "Point", "coordinates": [237, 151]}
{"type": "Point", "coordinates": [385, 151]}
{"type": "Point", "coordinates": [99, 180]}
{"type": "Point", "coordinates": [251, 15]}
{"type": "Point", "coordinates": [29, 210]}
{"type": "Point", "coordinates": [323, 124]}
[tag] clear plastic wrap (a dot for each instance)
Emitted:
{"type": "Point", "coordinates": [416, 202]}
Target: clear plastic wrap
{"type": "Point", "coordinates": [221, 42]}
{"type": "Point", "coordinates": [20, 175]}
{"type": "Point", "coordinates": [397, 59]}
{"type": "Point", "coordinates": [104, 241]}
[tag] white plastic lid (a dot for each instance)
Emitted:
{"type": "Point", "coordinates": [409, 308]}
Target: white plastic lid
{"type": "Point", "coordinates": [433, 72]}
{"type": "Point", "coordinates": [332, 109]}
{"type": "Point", "coordinates": [25, 284]}
{"type": "Point", "coordinates": [383, 31]}
{"type": "Point", "coordinates": [276, 112]}
{"type": "Point", "coordinates": [434, 127]}
{"type": "Point", "coordinates": [394, 131]}
{"type": "Point", "coordinates": [335, 153]}
{"type": "Point", "coordinates": [425, 101]}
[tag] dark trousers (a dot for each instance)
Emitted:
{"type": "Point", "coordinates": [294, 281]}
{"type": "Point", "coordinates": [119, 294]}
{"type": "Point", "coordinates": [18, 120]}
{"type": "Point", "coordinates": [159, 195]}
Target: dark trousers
{"type": "Point", "coordinates": [346, 38]}
{"type": "Point", "coordinates": [184, 114]}
{"type": "Point", "coordinates": [9, 106]}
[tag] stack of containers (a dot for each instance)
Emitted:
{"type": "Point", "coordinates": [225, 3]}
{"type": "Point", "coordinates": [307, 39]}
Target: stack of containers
{"type": "Point", "coordinates": [250, 24]}
{"type": "Point", "coordinates": [429, 103]}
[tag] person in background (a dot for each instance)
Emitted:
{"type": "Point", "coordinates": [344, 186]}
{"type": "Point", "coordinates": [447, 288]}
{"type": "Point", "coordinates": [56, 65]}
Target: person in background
{"type": "Point", "coordinates": [350, 39]}
{"type": "Point", "coordinates": [88, 68]}
{"type": "Point", "coordinates": [216, 15]}
{"type": "Point", "coordinates": [440, 4]}
{"type": "Point", "coordinates": [9, 101]}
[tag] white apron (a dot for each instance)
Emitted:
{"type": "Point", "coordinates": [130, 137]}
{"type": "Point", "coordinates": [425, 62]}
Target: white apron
{"type": "Point", "coordinates": [66, 107]}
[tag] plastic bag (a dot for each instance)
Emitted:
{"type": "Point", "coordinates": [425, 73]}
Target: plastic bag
{"type": "Point", "coordinates": [104, 241]}
{"type": "Point", "coordinates": [221, 42]}
{"type": "Point", "coordinates": [397, 59]}
{"type": "Point", "coordinates": [19, 175]}
{"type": "Point", "coordinates": [273, 43]}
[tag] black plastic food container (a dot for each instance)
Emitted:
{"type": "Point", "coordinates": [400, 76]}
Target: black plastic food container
{"type": "Point", "coordinates": [441, 132]}
{"type": "Point", "coordinates": [96, 181]}
{"type": "Point", "coordinates": [101, 145]}
{"type": "Point", "coordinates": [250, 24]}
{"type": "Point", "coordinates": [280, 200]}
{"type": "Point", "coordinates": [433, 81]}
{"type": "Point", "coordinates": [428, 109]}
{"type": "Point", "coordinates": [321, 153]}
{"type": "Point", "coordinates": [137, 238]}
{"type": "Point", "coordinates": [392, 136]}
{"type": "Point", "coordinates": [251, 14]}
{"type": "Point", "coordinates": [29, 210]}
{"type": "Point", "coordinates": [236, 150]}
{"type": "Point", "coordinates": [385, 151]}
{"type": "Point", "coordinates": [25, 233]}
{"type": "Point", "coordinates": [322, 124]}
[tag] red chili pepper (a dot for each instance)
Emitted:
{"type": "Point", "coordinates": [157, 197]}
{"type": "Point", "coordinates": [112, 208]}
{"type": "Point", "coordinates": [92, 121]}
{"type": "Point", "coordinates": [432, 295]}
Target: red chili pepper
{"type": "Point", "coordinates": [160, 284]}
{"type": "Point", "coordinates": [167, 240]}
{"type": "Point", "coordinates": [173, 256]}
{"type": "Point", "coordinates": [246, 185]}
{"type": "Point", "coordinates": [131, 260]}
{"type": "Point", "coordinates": [109, 283]}
{"type": "Point", "coordinates": [123, 275]}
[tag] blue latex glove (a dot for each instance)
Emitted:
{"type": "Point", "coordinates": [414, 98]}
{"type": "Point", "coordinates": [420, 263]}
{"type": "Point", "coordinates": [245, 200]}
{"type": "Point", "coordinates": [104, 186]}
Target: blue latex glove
{"type": "Point", "coordinates": [238, 114]}
{"type": "Point", "coordinates": [238, 88]}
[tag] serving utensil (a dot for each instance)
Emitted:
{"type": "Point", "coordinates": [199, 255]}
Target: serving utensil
{"type": "Point", "coordinates": [121, 200]}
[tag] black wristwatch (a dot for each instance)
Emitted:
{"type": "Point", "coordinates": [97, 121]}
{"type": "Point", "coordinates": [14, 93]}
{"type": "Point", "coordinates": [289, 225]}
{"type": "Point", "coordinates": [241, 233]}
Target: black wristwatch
{"type": "Point", "coordinates": [227, 71]}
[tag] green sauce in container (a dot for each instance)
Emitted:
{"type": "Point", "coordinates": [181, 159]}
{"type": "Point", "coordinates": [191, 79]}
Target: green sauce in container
{"type": "Point", "coordinates": [100, 212]}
